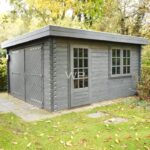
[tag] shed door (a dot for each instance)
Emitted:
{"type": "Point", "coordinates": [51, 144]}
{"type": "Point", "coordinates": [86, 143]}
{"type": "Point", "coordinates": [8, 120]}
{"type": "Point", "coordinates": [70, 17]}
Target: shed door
{"type": "Point", "coordinates": [17, 73]}
{"type": "Point", "coordinates": [33, 75]}
{"type": "Point", "coordinates": [80, 78]}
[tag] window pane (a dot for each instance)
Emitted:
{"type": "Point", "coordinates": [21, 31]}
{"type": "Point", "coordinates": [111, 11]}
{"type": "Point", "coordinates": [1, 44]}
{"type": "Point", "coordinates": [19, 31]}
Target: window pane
{"type": "Point", "coordinates": [118, 61]}
{"type": "Point", "coordinates": [118, 70]}
{"type": "Point", "coordinates": [85, 53]}
{"type": "Point", "coordinates": [128, 53]}
{"type": "Point", "coordinates": [124, 70]}
{"type": "Point", "coordinates": [80, 83]}
{"type": "Point", "coordinates": [128, 69]}
{"type": "Point", "coordinates": [80, 66]}
{"type": "Point", "coordinates": [81, 73]}
{"type": "Point", "coordinates": [124, 61]}
{"type": "Point", "coordinates": [80, 63]}
{"type": "Point", "coordinates": [113, 61]}
{"type": "Point", "coordinates": [85, 82]}
{"type": "Point", "coordinates": [86, 72]}
{"type": "Point", "coordinates": [75, 73]}
{"type": "Point", "coordinates": [128, 61]}
{"type": "Point", "coordinates": [75, 52]}
{"type": "Point", "coordinates": [85, 62]}
{"type": "Point", "coordinates": [113, 70]}
{"type": "Point", "coordinates": [80, 52]}
{"type": "Point", "coordinates": [113, 53]}
{"type": "Point", "coordinates": [118, 52]}
{"type": "Point", "coordinates": [124, 53]}
{"type": "Point", "coordinates": [75, 84]}
{"type": "Point", "coordinates": [75, 63]}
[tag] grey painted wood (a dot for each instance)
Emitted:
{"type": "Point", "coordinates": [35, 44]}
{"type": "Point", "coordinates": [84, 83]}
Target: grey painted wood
{"type": "Point", "coordinates": [46, 79]}
{"type": "Point", "coordinates": [16, 73]}
{"type": "Point", "coordinates": [60, 81]}
{"type": "Point", "coordinates": [79, 96]}
{"type": "Point", "coordinates": [102, 87]}
{"type": "Point", "coordinates": [43, 32]}
{"type": "Point", "coordinates": [73, 33]}
{"type": "Point", "coordinates": [57, 87]}
{"type": "Point", "coordinates": [47, 74]}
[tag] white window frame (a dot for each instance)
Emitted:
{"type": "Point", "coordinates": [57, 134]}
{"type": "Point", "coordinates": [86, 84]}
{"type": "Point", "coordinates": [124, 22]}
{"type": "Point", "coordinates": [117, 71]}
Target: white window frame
{"type": "Point", "coordinates": [121, 62]}
{"type": "Point", "coordinates": [83, 78]}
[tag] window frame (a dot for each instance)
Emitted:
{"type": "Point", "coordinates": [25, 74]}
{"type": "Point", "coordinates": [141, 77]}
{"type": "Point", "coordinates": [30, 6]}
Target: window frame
{"type": "Point", "coordinates": [88, 66]}
{"type": "Point", "coordinates": [121, 62]}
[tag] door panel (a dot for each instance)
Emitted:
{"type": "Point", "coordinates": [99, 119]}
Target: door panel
{"type": "Point", "coordinates": [17, 73]}
{"type": "Point", "coordinates": [33, 73]}
{"type": "Point", "coordinates": [80, 78]}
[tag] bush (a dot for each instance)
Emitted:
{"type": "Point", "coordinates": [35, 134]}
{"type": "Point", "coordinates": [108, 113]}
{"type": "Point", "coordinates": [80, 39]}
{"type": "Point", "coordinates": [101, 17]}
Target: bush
{"type": "Point", "coordinates": [143, 87]}
{"type": "Point", "coordinates": [146, 56]}
{"type": "Point", "coordinates": [3, 74]}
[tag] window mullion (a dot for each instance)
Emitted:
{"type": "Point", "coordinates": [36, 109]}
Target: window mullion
{"type": "Point", "coordinates": [121, 63]}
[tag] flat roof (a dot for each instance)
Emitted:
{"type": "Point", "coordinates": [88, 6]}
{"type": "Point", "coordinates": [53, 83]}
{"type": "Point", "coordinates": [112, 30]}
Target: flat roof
{"type": "Point", "coordinates": [58, 31]}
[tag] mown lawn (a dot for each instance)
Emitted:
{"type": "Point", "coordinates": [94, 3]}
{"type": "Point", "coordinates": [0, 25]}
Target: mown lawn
{"type": "Point", "coordinates": [75, 131]}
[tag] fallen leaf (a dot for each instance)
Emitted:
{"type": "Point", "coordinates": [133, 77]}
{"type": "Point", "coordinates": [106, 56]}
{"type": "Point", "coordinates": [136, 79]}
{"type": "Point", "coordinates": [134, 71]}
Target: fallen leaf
{"type": "Point", "coordinates": [58, 123]}
{"type": "Point", "coordinates": [122, 109]}
{"type": "Point", "coordinates": [136, 134]}
{"type": "Point", "coordinates": [1, 149]}
{"type": "Point", "coordinates": [117, 141]}
{"type": "Point", "coordinates": [111, 145]}
{"type": "Point", "coordinates": [108, 139]}
{"type": "Point", "coordinates": [42, 134]}
{"type": "Point", "coordinates": [62, 142]}
{"type": "Point", "coordinates": [124, 146]}
{"type": "Point", "coordinates": [71, 137]}
{"type": "Point", "coordinates": [48, 121]}
{"type": "Point", "coordinates": [137, 139]}
{"type": "Point", "coordinates": [25, 133]}
{"type": "Point", "coordinates": [29, 144]}
{"type": "Point", "coordinates": [83, 142]}
{"type": "Point", "coordinates": [72, 132]}
{"type": "Point", "coordinates": [50, 137]}
{"type": "Point", "coordinates": [14, 142]}
{"type": "Point", "coordinates": [97, 135]}
{"type": "Point", "coordinates": [68, 143]}
{"type": "Point", "coordinates": [106, 125]}
{"type": "Point", "coordinates": [129, 137]}
{"type": "Point", "coordinates": [147, 148]}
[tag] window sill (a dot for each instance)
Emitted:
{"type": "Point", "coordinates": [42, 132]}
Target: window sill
{"type": "Point", "coordinates": [120, 76]}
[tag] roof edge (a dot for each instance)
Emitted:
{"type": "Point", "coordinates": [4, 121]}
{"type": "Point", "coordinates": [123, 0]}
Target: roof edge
{"type": "Point", "coordinates": [74, 33]}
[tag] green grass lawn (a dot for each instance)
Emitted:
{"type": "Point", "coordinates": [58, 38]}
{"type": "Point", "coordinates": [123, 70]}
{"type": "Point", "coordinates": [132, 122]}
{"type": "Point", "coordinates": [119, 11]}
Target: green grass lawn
{"type": "Point", "coordinates": [75, 131]}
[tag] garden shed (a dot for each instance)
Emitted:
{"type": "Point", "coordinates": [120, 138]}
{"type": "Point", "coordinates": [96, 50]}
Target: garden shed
{"type": "Point", "coordinates": [59, 68]}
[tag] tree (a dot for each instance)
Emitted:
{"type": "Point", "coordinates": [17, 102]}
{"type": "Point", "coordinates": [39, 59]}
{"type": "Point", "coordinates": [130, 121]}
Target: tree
{"type": "Point", "coordinates": [125, 16]}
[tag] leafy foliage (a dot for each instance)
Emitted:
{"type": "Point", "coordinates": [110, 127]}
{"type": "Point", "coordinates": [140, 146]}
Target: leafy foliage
{"type": "Point", "coordinates": [144, 84]}
{"type": "Point", "coordinates": [3, 74]}
{"type": "Point", "coordinates": [121, 16]}
{"type": "Point", "coordinates": [146, 56]}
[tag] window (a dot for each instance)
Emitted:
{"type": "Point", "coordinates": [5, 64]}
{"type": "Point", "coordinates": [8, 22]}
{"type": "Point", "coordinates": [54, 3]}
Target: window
{"type": "Point", "coordinates": [120, 62]}
{"type": "Point", "coordinates": [126, 61]}
{"type": "Point", "coordinates": [116, 61]}
{"type": "Point", "coordinates": [80, 67]}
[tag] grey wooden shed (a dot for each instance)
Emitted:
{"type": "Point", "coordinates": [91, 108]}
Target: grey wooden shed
{"type": "Point", "coordinates": [59, 68]}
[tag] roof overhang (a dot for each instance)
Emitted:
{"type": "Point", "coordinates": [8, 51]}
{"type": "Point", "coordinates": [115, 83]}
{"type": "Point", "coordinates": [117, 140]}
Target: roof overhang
{"type": "Point", "coordinates": [74, 33]}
